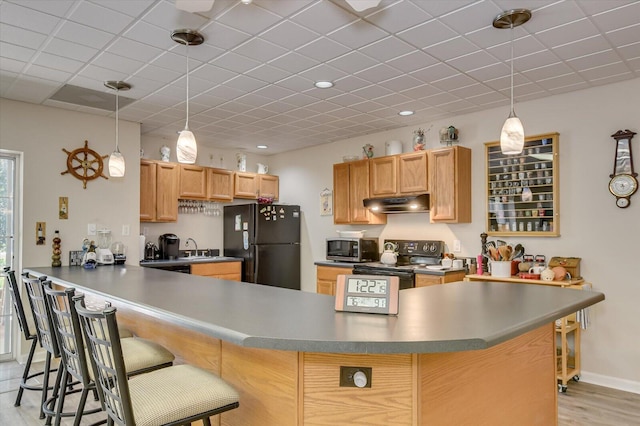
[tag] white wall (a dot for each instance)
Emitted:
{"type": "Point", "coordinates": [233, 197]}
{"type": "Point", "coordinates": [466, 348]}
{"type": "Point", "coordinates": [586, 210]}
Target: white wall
{"type": "Point", "coordinates": [591, 226]}
{"type": "Point", "coordinates": [41, 133]}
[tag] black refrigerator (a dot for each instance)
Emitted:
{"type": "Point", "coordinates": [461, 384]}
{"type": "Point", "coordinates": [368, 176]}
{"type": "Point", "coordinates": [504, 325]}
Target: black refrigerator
{"type": "Point", "coordinates": [267, 238]}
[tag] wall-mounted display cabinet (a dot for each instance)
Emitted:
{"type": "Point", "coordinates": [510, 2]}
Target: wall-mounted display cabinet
{"type": "Point", "coordinates": [522, 190]}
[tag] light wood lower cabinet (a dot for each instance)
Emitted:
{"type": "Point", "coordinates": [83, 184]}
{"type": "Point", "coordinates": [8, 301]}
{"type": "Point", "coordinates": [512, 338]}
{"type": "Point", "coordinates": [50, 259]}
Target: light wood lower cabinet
{"type": "Point", "coordinates": [327, 277]}
{"type": "Point", "coordinates": [158, 191]}
{"type": "Point", "coordinates": [223, 270]}
{"type": "Point", "coordinates": [423, 280]}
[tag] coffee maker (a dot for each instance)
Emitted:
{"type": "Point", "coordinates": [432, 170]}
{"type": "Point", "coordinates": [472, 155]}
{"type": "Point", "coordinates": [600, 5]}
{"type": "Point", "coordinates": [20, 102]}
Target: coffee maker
{"type": "Point", "coordinates": [169, 246]}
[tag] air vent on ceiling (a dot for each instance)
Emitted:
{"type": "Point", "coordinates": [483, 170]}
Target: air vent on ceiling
{"type": "Point", "coordinates": [89, 98]}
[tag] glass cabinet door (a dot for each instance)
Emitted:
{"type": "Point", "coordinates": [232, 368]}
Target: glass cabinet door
{"type": "Point", "coordinates": [522, 190]}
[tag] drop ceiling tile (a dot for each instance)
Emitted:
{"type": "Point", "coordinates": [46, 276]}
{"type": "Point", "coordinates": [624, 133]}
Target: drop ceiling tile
{"type": "Point", "coordinates": [69, 50]}
{"type": "Point", "coordinates": [244, 83]}
{"type": "Point", "coordinates": [82, 34]}
{"type": "Point", "coordinates": [472, 61]}
{"type": "Point", "coordinates": [117, 63]}
{"type": "Point", "coordinates": [323, 17]}
{"type": "Point", "coordinates": [453, 82]}
{"type": "Point", "coordinates": [21, 37]}
{"type": "Point", "coordinates": [488, 98]}
{"type": "Point", "coordinates": [387, 48]}
{"type": "Point", "coordinates": [130, 7]}
{"type": "Point", "coordinates": [346, 99]}
{"type": "Point", "coordinates": [248, 18]}
{"type": "Point", "coordinates": [323, 93]}
{"type": "Point", "coordinates": [439, 8]}
{"type": "Point", "coordinates": [151, 35]}
{"type": "Point", "coordinates": [552, 15]}
{"type": "Point", "coordinates": [58, 63]}
{"type": "Point", "coordinates": [155, 73]}
{"type": "Point", "coordinates": [351, 83]}
{"type": "Point", "coordinates": [296, 83]}
{"type": "Point", "coordinates": [283, 8]}
{"type": "Point", "coordinates": [323, 72]}
{"type": "Point", "coordinates": [470, 91]}
{"type": "Point", "coordinates": [521, 47]}
{"type": "Point", "coordinates": [634, 64]}
{"type": "Point", "coordinates": [268, 74]}
{"type": "Point", "coordinates": [17, 53]}
{"type": "Point", "coordinates": [535, 60]}
{"type": "Point", "coordinates": [412, 61]}
{"type": "Point", "coordinates": [300, 100]}
{"type": "Point", "coordinates": [352, 62]}
{"type": "Point", "coordinates": [571, 32]}
{"type": "Point", "coordinates": [581, 47]}
{"type": "Point", "coordinates": [104, 19]}
{"type": "Point", "coordinates": [489, 72]}
{"type": "Point", "coordinates": [18, 16]}
{"type": "Point", "coordinates": [605, 71]}
{"type": "Point", "coordinates": [32, 89]}
{"type": "Point", "coordinates": [630, 51]}
{"type": "Point", "coordinates": [323, 107]}
{"type": "Point", "coordinates": [57, 8]}
{"type": "Point", "coordinates": [274, 92]}
{"type": "Point", "coordinates": [357, 34]}
{"type": "Point", "coordinates": [393, 99]}
{"type": "Point", "coordinates": [134, 50]}
{"type": "Point", "coordinates": [623, 36]}
{"type": "Point", "coordinates": [398, 17]}
{"type": "Point", "coordinates": [423, 91]}
{"type": "Point", "coordinates": [548, 71]}
{"type": "Point", "coordinates": [212, 74]}
{"type": "Point", "coordinates": [260, 50]}
{"type": "Point", "coordinates": [451, 48]}
{"type": "Point", "coordinates": [378, 73]}
{"type": "Point", "coordinates": [468, 18]}
{"type": "Point", "coordinates": [165, 15]}
{"type": "Point", "coordinates": [594, 60]}
{"type": "Point", "coordinates": [434, 72]}
{"type": "Point", "coordinates": [8, 67]}
{"type": "Point", "coordinates": [372, 91]}
{"type": "Point", "coordinates": [427, 34]}
{"type": "Point", "coordinates": [48, 73]}
{"type": "Point", "coordinates": [401, 83]}
{"type": "Point", "coordinates": [323, 49]}
{"type": "Point", "coordinates": [621, 17]}
{"type": "Point", "coordinates": [558, 81]}
{"type": "Point", "coordinates": [289, 35]}
{"type": "Point", "coordinates": [293, 62]}
{"type": "Point", "coordinates": [237, 63]}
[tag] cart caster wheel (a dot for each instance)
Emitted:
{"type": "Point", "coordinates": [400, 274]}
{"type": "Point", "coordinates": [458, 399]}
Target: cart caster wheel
{"type": "Point", "coordinates": [576, 378]}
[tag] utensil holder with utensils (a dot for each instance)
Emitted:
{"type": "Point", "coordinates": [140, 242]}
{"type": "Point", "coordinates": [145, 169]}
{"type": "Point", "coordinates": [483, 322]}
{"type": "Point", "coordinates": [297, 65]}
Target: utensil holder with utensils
{"type": "Point", "coordinates": [500, 268]}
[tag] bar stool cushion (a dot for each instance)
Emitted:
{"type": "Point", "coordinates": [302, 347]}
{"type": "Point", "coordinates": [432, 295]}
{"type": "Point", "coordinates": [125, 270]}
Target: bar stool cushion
{"type": "Point", "coordinates": [178, 392]}
{"type": "Point", "coordinates": [141, 354]}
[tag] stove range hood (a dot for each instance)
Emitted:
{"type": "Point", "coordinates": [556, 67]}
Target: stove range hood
{"type": "Point", "coordinates": [407, 204]}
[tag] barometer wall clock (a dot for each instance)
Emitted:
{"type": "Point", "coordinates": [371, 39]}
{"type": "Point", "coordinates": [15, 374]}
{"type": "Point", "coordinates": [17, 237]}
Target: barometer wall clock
{"type": "Point", "coordinates": [85, 164]}
{"type": "Point", "coordinates": [624, 181]}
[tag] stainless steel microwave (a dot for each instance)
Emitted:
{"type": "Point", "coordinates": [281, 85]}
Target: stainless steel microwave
{"type": "Point", "coordinates": [353, 249]}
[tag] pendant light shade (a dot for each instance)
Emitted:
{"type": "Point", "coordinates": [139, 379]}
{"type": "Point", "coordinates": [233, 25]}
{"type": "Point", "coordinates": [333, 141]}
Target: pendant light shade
{"type": "Point", "coordinates": [186, 147]}
{"type": "Point", "coordinates": [116, 159]}
{"type": "Point", "coordinates": [512, 135]}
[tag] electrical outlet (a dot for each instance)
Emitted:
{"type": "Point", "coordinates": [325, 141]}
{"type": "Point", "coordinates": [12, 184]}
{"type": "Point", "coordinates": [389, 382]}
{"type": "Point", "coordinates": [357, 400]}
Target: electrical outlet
{"type": "Point", "coordinates": [91, 229]}
{"type": "Point", "coordinates": [125, 230]}
{"type": "Point", "coordinates": [355, 377]}
{"type": "Point", "coordinates": [456, 246]}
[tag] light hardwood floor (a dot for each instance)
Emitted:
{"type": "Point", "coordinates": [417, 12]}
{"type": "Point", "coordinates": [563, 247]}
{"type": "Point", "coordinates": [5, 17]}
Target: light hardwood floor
{"type": "Point", "coordinates": [583, 404]}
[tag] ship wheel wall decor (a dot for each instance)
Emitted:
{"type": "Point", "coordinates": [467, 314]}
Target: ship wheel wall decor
{"type": "Point", "coordinates": [85, 164]}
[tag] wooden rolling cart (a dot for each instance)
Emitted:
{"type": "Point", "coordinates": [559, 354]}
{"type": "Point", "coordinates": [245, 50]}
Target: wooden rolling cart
{"type": "Point", "coordinates": [568, 364]}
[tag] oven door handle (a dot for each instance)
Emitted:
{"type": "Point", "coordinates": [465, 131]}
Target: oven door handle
{"type": "Point", "coordinates": [399, 274]}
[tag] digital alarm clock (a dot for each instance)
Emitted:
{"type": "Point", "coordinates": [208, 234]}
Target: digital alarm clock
{"type": "Point", "coordinates": [373, 294]}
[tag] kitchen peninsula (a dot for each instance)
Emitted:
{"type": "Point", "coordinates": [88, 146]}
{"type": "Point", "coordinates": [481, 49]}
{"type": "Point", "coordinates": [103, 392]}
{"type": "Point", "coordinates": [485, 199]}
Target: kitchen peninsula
{"type": "Point", "coordinates": [464, 353]}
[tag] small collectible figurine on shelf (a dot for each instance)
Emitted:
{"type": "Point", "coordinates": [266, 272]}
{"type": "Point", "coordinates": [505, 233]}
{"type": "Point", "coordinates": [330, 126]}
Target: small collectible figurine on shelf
{"type": "Point", "coordinates": [418, 140]}
{"type": "Point", "coordinates": [448, 135]}
{"type": "Point", "coordinates": [55, 257]}
{"type": "Point", "coordinates": [367, 151]}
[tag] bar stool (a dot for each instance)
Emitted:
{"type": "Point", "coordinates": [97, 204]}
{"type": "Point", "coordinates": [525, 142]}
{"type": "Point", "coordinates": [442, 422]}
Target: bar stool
{"type": "Point", "coordinates": [29, 337]}
{"type": "Point", "coordinates": [139, 355]}
{"type": "Point", "coordinates": [143, 355]}
{"type": "Point", "coordinates": [175, 395]}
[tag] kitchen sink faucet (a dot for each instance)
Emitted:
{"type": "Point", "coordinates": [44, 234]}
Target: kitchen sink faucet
{"type": "Point", "coordinates": [186, 244]}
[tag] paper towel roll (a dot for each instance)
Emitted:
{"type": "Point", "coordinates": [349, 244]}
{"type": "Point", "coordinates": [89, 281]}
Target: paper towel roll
{"type": "Point", "coordinates": [141, 246]}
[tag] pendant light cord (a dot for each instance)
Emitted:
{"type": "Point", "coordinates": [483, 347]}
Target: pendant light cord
{"type": "Point", "coordinates": [186, 126]}
{"type": "Point", "coordinates": [117, 107]}
{"type": "Point", "coordinates": [512, 111]}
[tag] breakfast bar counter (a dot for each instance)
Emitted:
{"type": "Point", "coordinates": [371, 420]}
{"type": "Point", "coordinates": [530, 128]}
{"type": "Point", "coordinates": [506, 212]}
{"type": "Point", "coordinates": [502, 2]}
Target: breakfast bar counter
{"type": "Point", "coordinates": [461, 353]}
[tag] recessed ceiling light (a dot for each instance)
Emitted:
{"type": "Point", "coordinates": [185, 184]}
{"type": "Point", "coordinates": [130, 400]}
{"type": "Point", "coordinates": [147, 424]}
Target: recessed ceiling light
{"type": "Point", "coordinates": [246, 1]}
{"type": "Point", "coordinates": [405, 113]}
{"type": "Point", "coordinates": [323, 84]}
{"type": "Point", "coordinates": [262, 147]}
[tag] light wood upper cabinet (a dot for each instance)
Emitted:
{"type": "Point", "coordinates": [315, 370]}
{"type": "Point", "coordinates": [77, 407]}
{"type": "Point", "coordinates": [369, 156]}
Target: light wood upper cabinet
{"type": "Point", "coordinates": [412, 173]}
{"type": "Point", "coordinates": [450, 177]}
{"type": "Point", "coordinates": [219, 184]}
{"type": "Point", "coordinates": [159, 191]}
{"type": "Point", "coordinates": [253, 185]}
{"type": "Point", "coordinates": [350, 188]}
{"type": "Point", "coordinates": [383, 176]}
{"type": "Point", "coordinates": [193, 182]}
{"type": "Point", "coordinates": [403, 174]}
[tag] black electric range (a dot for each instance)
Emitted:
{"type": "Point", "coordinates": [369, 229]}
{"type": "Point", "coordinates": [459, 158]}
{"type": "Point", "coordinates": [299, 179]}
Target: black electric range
{"type": "Point", "coordinates": [412, 254]}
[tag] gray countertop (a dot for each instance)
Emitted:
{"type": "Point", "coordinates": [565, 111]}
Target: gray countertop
{"type": "Point", "coordinates": [441, 318]}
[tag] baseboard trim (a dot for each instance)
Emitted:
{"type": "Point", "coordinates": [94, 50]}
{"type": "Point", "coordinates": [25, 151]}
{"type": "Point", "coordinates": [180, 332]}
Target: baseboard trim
{"type": "Point", "coordinates": [610, 382]}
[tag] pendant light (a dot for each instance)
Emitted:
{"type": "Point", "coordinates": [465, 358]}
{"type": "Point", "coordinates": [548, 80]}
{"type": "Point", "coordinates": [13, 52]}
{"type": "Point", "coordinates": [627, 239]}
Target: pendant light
{"type": "Point", "coordinates": [512, 135]}
{"type": "Point", "coordinates": [116, 159]}
{"type": "Point", "coordinates": [187, 149]}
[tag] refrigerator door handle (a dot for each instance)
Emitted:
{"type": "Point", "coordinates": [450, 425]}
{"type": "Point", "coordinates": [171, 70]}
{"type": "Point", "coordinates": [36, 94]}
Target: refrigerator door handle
{"type": "Point", "coordinates": [256, 262]}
